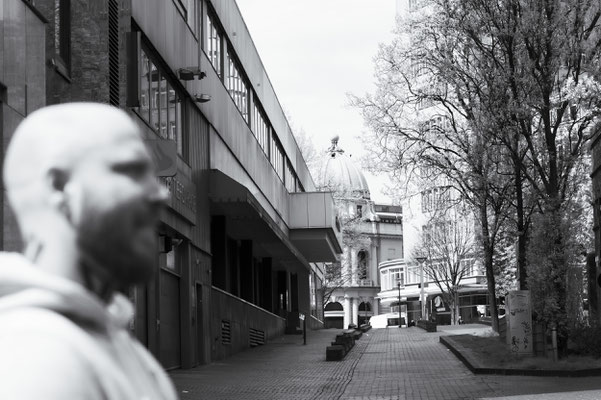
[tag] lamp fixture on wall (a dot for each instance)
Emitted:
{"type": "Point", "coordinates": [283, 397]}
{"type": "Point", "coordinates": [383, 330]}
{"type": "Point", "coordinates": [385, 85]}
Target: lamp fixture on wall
{"type": "Point", "coordinates": [189, 73]}
{"type": "Point", "coordinates": [201, 98]}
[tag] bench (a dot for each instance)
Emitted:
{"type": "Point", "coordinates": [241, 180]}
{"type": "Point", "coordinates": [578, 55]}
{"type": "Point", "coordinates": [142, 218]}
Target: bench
{"type": "Point", "coordinates": [428, 326]}
{"type": "Point", "coordinates": [335, 353]}
{"type": "Point", "coordinates": [342, 344]}
{"type": "Point", "coordinates": [343, 340]}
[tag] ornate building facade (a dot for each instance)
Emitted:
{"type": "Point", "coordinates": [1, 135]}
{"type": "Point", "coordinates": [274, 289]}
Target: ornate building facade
{"type": "Point", "coordinates": [372, 235]}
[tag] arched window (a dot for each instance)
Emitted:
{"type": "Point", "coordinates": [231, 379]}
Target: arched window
{"type": "Point", "coordinates": [334, 307]}
{"type": "Point", "coordinates": [362, 264]}
{"type": "Point", "coordinates": [365, 306]}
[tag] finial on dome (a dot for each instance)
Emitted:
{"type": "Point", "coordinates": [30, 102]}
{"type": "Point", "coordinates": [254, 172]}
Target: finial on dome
{"type": "Point", "coordinates": [334, 147]}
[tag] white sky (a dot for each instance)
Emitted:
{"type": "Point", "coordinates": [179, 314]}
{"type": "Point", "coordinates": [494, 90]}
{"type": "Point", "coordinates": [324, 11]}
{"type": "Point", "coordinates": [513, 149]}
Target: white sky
{"type": "Point", "coordinates": [317, 51]}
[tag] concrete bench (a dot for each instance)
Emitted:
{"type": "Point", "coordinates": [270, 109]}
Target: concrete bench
{"type": "Point", "coordinates": [345, 340]}
{"type": "Point", "coordinates": [335, 353]}
{"type": "Point", "coordinates": [429, 326]}
{"type": "Point", "coordinates": [342, 344]}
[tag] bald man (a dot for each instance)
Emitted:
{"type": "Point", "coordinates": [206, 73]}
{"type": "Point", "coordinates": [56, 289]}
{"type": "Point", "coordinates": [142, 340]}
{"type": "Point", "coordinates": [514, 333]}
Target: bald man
{"type": "Point", "coordinates": [81, 184]}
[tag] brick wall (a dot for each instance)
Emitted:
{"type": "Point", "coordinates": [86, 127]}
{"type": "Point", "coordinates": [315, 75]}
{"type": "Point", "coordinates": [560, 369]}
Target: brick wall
{"type": "Point", "coordinates": [88, 76]}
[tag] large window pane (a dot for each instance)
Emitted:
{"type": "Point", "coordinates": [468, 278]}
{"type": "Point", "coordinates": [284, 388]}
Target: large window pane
{"type": "Point", "coordinates": [179, 126]}
{"type": "Point", "coordinates": [154, 96]}
{"type": "Point", "coordinates": [161, 101]}
{"type": "Point", "coordinates": [213, 45]}
{"type": "Point", "coordinates": [145, 88]}
{"type": "Point", "coordinates": [163, 107]}
{"type": "Point", "coordinates": [172, 121]}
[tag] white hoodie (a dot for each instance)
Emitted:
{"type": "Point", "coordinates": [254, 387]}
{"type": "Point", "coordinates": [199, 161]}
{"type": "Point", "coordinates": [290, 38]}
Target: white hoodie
{"type": "Point", "coordinates": [59, 341]}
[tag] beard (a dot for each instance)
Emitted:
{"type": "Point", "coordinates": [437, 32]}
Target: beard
{"type": "Point", "coordinates": [118, 246]}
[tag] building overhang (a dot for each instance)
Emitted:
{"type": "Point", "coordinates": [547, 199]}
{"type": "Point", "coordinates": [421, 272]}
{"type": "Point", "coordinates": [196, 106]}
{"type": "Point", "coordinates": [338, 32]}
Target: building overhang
{"type": "Point", "coordinates": [314, 226]}
{"type": "Point", "coordinates": [247, 219]}
{"type": "Point", "coordinates": [317, 245]}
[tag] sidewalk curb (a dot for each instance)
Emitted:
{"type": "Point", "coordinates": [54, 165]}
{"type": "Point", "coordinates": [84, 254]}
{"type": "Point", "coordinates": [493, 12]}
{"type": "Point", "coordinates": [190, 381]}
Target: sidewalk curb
{"type": "Point", "coordinates": [474, 365]}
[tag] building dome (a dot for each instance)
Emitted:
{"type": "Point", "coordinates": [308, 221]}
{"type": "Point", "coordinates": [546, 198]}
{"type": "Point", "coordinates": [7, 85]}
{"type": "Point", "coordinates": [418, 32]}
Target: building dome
{"type": "Point", "coordinates": [342, 175]}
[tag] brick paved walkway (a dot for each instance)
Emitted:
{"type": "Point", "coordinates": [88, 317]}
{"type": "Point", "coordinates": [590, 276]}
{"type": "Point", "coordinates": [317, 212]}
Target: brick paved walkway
{"type": "Point", "coordinates": [385, 364]}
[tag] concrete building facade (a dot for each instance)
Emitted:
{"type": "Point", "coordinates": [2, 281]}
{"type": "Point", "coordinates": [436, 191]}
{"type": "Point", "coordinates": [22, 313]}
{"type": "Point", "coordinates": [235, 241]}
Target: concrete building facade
{"type": "Point", "coordinates": [242, 241]}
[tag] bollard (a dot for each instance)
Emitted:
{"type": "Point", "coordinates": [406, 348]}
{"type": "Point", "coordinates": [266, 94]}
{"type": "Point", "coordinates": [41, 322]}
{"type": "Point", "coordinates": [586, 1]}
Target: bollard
{"type": "Point", "coordinates": [304, 331]}
{"type": "Point", "coordinates": [554, 343]}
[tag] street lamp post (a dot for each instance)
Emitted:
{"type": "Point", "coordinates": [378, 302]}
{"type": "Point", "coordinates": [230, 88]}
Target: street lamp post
{"type": "Point", "coordinates": [399, 286]}
{"type": "Point", "coordinates": [421, 259]}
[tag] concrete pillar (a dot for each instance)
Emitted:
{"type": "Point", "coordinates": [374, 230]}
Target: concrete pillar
{"type": "Point", "coordinates": [355, 306]}
{"type": "Point", "coordinates": [347, 312]}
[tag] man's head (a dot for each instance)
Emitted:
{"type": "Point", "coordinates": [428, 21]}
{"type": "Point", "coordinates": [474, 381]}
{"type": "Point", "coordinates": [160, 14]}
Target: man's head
{"type": "Point", "coordinates": [81, 172]}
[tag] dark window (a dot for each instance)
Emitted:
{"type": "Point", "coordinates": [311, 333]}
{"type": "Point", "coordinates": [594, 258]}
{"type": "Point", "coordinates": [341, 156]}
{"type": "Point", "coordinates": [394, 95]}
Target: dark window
{"type": "Point", "coordinates": [62, 34]}
{"type": "Point", "coordinates": [277, 156]}
{"type": "Point", "coordinates": [260, 127]}
{"type": "Point", "coordinates": [362, 265]}
{"type": "Point", "coordinates": [189, 11]}
{"type": "Point", "coordinates": [334, 307]}
{"type": "Point", "coordinates": [290, 178]}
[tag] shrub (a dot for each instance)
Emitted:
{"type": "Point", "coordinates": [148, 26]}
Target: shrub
{"type": "Point", "coordinates": [584, 340]}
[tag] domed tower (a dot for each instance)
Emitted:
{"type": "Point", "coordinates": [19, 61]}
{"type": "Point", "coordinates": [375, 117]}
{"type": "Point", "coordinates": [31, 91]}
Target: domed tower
{"type": "Point", "coordinates": [342, 175]}
{"type": "Point", "coordinates": [354, 286]}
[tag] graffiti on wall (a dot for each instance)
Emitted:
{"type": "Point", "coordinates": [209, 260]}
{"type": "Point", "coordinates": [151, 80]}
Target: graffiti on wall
{"type": "Point", "coordinates": [519, 333]}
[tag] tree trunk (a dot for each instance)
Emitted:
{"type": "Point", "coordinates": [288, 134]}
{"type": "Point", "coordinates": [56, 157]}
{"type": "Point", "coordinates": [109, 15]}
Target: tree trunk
{"type": "Point", "coordinates": [488, 265]}
{"type": "Point", "coordinates": [521, 228]}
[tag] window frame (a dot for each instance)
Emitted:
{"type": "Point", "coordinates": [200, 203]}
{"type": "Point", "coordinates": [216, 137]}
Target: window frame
{"type": "Point", "coordinates": [213, 46]}
{"type": "Point", "coordinates": [62, 37]}
{"type": "Point", "coordinates": [165, 92]}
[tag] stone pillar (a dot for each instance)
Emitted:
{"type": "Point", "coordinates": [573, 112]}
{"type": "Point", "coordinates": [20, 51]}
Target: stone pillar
{"type": "Point", "coordinates": [345, 264]}
{"type": "Point", "coordinates": [353, 260]}
{"type": "Point", "coordinates": [347, 312]}
{"type": "Point", "coordinates": [375, 305]}
{"type": "Point", "coordinates": [373, 266]}
{"type": "Point", "coordinates": [355, 319]}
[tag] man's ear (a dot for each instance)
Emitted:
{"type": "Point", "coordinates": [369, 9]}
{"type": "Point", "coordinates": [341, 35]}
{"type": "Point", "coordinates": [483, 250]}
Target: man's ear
{"type": "Point", "coordinates": [57, 182]}
{"type": "Point", "coordinates": [58, 178]}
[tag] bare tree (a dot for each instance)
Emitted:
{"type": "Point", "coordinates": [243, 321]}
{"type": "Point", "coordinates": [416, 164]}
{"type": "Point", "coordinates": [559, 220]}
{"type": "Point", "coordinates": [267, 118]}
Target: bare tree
{"type": "Point", "coordinates": [517, 80]}
{"type": "Point", "coordinates": [448, 242]}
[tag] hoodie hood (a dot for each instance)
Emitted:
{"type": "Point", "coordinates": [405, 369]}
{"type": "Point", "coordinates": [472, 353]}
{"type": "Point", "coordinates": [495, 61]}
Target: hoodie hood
{"type": "Point", "coordinates": [24, 285]}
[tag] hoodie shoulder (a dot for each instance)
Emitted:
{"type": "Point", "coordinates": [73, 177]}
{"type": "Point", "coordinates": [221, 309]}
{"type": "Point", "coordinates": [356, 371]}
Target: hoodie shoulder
{"type": "Point", "coordinates": [40, 351]}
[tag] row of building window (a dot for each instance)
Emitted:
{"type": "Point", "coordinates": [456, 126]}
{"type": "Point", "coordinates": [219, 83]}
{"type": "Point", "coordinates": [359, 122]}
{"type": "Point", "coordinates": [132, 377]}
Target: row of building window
{"type": "Point", "coordinates": [436, 198]}
{"type": "Point", "coordinates": [407, 275]}
{"type": "Point", "coordinates": [238, 87]}
{"type": "Point", "coordinates": [437, 124]}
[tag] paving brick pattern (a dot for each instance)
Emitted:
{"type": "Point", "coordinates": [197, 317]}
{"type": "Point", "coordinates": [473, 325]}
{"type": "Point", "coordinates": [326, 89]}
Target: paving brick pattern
{"type": "Point", "coordinates": [385, 364]}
